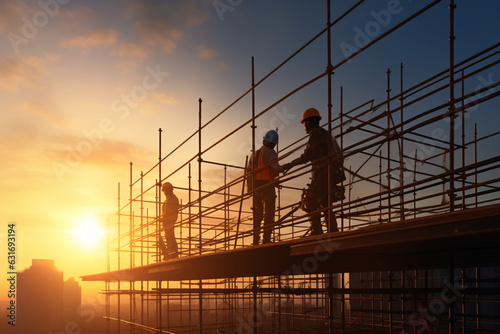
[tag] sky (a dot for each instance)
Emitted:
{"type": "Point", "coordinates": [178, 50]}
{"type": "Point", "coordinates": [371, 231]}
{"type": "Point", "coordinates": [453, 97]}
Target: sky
{"type": "Point", "coordinates": [85, 86]}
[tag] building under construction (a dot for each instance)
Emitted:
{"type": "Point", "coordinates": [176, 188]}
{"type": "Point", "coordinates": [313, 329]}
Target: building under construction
{"type": "Point", "coordinates": [417, 250]}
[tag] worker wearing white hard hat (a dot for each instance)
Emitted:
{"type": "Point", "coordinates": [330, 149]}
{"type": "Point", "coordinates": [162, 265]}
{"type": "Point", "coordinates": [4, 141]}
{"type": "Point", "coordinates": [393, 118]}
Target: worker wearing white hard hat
{"type": "Point", "coordinates": [262, 169]}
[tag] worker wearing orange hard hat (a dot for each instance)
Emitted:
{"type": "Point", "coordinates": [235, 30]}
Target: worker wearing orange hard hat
{"type": "Point", "coordinates": [321, 150]}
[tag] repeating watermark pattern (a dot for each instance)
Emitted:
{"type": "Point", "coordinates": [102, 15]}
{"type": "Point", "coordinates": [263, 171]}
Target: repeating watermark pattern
{"type": "Point", "coordinates": [92, 308]}
{"type": "Point", "coordinates": [309, 265]}
{"type": "Point", "coordinates": [423, 319]}
{"type": "Point", "coordinates": [223, 6]}
{"type": "Point", "coordinates": [372, 29]}
{"type": "Point", "coordinates": [85, 314]}
{"type": "Point", "coordinates": [11, 272]}
{"type": "Point", "coordinates": [31, 27]}
{"type": "Point", "coordinates": [120, 108]}
{"type": "Point", "coordinates": [429, 146]}
{"type": "Point", "coordinates": [279, 121]}
{"type": "Point", "coordinates": [483, 83]}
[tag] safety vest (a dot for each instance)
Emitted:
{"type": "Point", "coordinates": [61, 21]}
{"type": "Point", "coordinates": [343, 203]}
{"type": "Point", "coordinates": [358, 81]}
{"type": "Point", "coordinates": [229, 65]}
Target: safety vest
{"type": "Point", "coordinates": [266, 174]}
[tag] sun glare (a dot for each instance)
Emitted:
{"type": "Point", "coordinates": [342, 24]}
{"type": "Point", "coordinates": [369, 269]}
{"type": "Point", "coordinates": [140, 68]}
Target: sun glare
{"type": "Point", "coordinates": [87, 232]}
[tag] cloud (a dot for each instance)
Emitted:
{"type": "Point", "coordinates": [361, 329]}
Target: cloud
{"type": "Point", "coordinates": [69, 153]}
{"type": "Point", "coordinates": [25, 71]}
{"type": "Point", "coordinates": [206, 52]}
{"type": "Point", "coordinates": [11, 14]}
{"type": "Point", "coordinates": [223, 66]}
{"type": "Point", "coordinates": [52, 57]}
{"type": "Point", "coordinates": [43, 111]}
{"type": "Point", "coordinates": [96, 39]}
{"type": "Point", "coordinates": [159, 33]}
{"type": "Point", "coordinates": [130, 55]}
{"type": "Point", "coordinates": [196, 14]}
{"type": "Point", "coordinates": [166, 99]}
{"type": "Point", "coordinates": [78, 16]}
{"type": "Point", "coordinates": [132, 50]}
{"type": "Point", "coordinates": [164, 24]}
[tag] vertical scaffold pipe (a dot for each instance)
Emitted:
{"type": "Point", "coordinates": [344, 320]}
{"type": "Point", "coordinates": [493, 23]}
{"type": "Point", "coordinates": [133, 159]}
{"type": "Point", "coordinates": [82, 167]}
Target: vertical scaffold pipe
{"type": "Point", "coordinates": [451, 108]}
{"type": "Point", "coordinates": [331, 305]}
{"type": "Point", "coordinates": [451, 311]}
{"type": "Point", "coordinates": [401, 148]}
{"type": "Point", "coordinates": [401, 183]}
{"type": "Point", "coordinates": [142, 243]}
{"type": "Point", "coordinates": [253, 117]}
{"type": "Point", "coordinates": [131, 218]}
{"type": "Point", "coordinates": [157, 236]}
{"type": "Point", "coordinates": [341, 116]}
{"type": "Point", "coordinates": [254, 161]}
{"type": "Point", "coordinates": [389, 211]}
{"type": "Point", "coordinates": [131, 243]}
{"type": "Point", "coordinates": [452, 6]}
{"type": "Point", "coordinates": [159, 228]}
{"type": "Point", "coordinates": [200, 295]}
{"type": "Point", "coordinates": [226, 211]}
{"type": "Point", "coordinates": [330, 216]}
{"type": "Point", "coordinates": [388, 110]}
{"type": "Point", "coordinates": [119, 261]}
{"type": "Point", "coordinates": [475, 165]}
{"type": "Point", "coordinates": [158, 186]}
{"type": "Point", "coordinates": [462, 113]}
{"type": "Point", "coordinates": [253, 186]}
{"type": "Point", "coordinates": [329, 71]}
{"type": "Point", "coordinates": [189, 208]}
{"type": "Point", "coordinates": [108, 284]}
{"type": "Point", "coordinates": [199, 174]}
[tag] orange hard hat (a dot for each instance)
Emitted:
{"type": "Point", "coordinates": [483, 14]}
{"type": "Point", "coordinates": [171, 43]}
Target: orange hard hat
{"type": "Point", "coordinates": [311, 112]}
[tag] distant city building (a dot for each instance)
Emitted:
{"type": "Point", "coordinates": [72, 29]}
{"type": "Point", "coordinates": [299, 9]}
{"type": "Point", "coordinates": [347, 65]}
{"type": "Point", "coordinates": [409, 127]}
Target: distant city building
{"type": "Point", "coordinates": [45, 301]}
{"type": "Point", "coordinates": [72, 299]}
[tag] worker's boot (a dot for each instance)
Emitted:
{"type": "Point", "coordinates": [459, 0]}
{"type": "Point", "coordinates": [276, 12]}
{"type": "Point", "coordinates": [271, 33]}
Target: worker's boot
{"type": "Point", "coordinates": [266, 238]}
{"type": "Point", "coordinates": [316, 228]}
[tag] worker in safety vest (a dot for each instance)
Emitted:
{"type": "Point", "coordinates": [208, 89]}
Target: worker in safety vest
{"type": "Point", "coordinates": [262, 169]}
{"type": "Point", "coordinates": [321, 150]}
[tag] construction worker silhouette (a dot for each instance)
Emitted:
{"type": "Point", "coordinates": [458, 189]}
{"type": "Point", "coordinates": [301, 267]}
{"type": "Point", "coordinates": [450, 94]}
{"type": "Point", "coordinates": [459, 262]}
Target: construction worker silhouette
{"type": "Point", "coordinates": [168, 219]}
{"type": "Point", "coordinates": [319, 146]}
{"type": "Point", "coordinates": [263, 167]}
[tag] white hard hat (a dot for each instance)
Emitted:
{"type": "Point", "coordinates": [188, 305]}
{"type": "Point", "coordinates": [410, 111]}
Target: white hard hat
{"type": "Point", "coordinates": [271, 137]}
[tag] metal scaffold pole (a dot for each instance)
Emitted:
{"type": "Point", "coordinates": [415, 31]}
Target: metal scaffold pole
{"type": "Point", "coordinates": [254, 284]}
{"type": "Point", "coordinates": [131, 248]}
{"type": "Point", "coordinates": [451, 108]}
{"type": "Point", "coordinates": [200, 220]}
{"type": "Point", "coordinates": [119, 259]}
{"type": "Point", "coordinates": [159, 296]}
{"type": "Point", "coordinates": [369, 276]}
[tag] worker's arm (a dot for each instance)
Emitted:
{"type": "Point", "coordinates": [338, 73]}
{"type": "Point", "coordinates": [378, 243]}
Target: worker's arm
{"type": "Point", "coordinates": [271, 158]}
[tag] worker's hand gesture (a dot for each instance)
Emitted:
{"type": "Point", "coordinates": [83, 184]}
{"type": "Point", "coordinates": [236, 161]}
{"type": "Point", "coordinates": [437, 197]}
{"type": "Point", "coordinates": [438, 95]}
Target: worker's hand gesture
{"type": "Point", "coordinates": [287, 167]}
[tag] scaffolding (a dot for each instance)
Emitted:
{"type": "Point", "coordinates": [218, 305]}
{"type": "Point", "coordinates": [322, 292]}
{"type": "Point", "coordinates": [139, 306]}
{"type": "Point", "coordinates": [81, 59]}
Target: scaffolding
{"type": "Point", "coordinates": [416, 251]}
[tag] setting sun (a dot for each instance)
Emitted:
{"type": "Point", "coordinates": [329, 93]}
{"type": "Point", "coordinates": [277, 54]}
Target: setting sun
{"type": "Point", "coordinates": [87, 232]}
